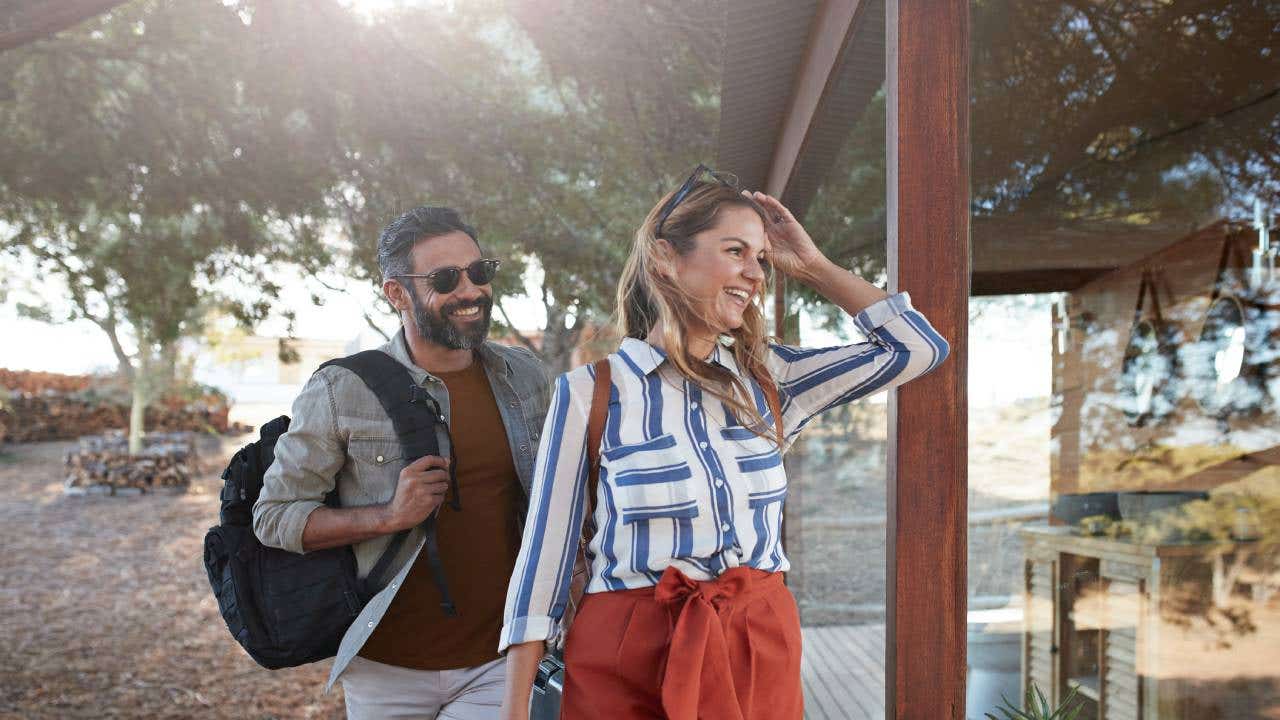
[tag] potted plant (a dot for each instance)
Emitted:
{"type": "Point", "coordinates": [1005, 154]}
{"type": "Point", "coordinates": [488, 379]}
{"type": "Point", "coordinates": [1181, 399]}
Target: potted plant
{"type": "Point", "coordinates": [1037, 707]}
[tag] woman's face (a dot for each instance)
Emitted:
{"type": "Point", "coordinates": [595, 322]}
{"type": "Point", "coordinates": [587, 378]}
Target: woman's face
{"type": "Point", "coordinates": [723, 271]}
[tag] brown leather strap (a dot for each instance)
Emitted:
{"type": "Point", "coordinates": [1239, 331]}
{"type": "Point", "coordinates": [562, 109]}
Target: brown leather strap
{"type": "Point", "coordinates": [595, 429]}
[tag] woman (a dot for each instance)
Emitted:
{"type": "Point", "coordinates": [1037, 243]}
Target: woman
{"type": "Point", "coordinates": [686, 615]}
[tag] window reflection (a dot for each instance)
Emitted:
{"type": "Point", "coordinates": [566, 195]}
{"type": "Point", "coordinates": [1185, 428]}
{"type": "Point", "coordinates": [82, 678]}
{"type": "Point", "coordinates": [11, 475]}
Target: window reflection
{"type": "Point", "coordinates": [1125, 152]}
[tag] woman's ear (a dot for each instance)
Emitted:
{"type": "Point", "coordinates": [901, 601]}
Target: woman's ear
{"type": "Point", "coordinates": [665, 258]}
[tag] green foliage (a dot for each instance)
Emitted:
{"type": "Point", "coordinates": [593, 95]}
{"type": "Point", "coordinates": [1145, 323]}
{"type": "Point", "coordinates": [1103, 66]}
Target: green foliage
{"type": "Point", "coordinates": [1036, 707]}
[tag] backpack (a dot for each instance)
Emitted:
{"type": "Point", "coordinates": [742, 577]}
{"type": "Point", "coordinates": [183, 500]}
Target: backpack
{"type": "Point", "coordinates": [287, 609]}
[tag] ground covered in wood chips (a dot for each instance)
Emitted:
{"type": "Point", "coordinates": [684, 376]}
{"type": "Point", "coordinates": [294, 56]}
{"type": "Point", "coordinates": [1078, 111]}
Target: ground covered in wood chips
{"type": "Point", "coordinates": [105, 610]}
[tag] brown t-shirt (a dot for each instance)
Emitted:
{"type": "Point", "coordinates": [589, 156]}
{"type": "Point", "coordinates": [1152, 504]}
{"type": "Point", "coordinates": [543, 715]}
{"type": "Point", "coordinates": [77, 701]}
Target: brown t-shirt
{"type": "Point", "coordinates": [478, 546]}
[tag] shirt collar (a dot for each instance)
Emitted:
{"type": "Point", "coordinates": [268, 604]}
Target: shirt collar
{"type": "Point", "coordinates": [647, 358]}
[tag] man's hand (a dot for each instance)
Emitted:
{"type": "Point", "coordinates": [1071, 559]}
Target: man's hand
{"type": "Point", "coordinates": [420, 490]}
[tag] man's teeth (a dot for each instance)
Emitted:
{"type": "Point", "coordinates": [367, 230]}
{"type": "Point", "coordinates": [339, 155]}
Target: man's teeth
{"type": "Point", "coordinates": [467, 311]}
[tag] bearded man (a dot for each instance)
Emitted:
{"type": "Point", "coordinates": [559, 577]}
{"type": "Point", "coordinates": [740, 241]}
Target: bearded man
{"type": "Point", "coordinates": [424, 647]}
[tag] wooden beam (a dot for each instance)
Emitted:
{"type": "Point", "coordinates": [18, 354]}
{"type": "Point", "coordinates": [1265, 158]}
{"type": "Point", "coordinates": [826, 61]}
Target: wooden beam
{"type": "Point", "coordinates": [25, 21]}
{"type": "Point", "coordinates": [829, 36]}
{"type": "Point", "coordinates": [833, 26]}
{"type": "Point", "coordinates": [1033, 281]}
{"type": "Point", "coordinates": [927, 91]}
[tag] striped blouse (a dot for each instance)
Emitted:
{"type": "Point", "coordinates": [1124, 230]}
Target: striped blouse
{"type": "Point", "coordinates": [682, 481]}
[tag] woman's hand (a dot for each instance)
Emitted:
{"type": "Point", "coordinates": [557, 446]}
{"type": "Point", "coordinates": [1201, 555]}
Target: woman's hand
{"type": "Point", "coordinates": [788, 246]}
{"type": "Point", "coordinates": [792, 251]}
{"type": "Point", "coordinates": [522, 668]}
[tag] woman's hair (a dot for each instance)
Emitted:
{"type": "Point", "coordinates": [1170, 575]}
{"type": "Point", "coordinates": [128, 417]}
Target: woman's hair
{"type": "Point", "coordinates": [647, 295]}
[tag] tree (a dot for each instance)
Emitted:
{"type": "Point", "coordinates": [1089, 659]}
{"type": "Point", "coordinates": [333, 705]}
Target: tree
{"type": "Point", "coordinates": [555, 131]}
{"type": "Point", "coordinates": [140, 169]}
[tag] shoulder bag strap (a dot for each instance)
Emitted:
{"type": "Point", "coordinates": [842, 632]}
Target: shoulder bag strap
{"type": "Point", "coordinates": [414, 416]}
{"type": "Point", "coordinates": [595, 432]}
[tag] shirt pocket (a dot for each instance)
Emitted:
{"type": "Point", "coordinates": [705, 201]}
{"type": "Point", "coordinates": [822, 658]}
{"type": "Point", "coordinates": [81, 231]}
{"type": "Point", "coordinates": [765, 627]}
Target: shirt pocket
{"type": "Point", "coordinates": [760, 463]}
{"type": "Point", "coordinates": [651, 480]}
{"type": "Point", "coordinates": [375, 467]}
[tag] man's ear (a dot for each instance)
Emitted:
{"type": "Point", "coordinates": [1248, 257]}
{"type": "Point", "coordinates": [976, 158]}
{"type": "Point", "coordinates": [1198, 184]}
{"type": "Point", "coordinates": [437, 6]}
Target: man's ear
{"type": "Point", "coordinates": [397, 295]}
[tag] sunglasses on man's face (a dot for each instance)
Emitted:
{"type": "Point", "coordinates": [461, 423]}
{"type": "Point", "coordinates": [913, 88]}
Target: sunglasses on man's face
{"type": "Point", "coordinates": [729, 180]}
{"type": "Point", "coordinates": [445, 280]}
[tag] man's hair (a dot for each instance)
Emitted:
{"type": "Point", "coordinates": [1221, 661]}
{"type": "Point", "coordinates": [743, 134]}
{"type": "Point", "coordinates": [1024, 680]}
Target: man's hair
{"type": "Point", "coordinates": [398, 238]}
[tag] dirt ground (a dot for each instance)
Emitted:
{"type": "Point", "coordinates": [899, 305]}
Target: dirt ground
{"type": "Point", "coordinates": [105, 610]}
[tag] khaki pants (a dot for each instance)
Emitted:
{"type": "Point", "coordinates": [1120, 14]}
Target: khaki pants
{"type": "Point", "coordinates": [374, 690]}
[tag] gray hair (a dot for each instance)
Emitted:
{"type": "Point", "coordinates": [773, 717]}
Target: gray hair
{"type": "Point", "coordinates": [398, 238]}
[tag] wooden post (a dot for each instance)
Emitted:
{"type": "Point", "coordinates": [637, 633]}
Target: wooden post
{"type": "Point", "coordinates": [928, 250]}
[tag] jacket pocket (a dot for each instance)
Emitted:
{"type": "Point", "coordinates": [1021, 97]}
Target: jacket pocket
{"type": "Point", "coordinates": [651, 480]}
{"type": "Point", "coordinates": [375, 465]}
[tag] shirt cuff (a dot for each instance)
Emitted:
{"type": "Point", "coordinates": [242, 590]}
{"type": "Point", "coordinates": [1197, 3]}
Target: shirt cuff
{"type": "Point", "coordinates": [880, 312]}
{"type": "Point", "coordinates": [294, 521]}
{"type": "Point", "coordinates": [527, 629]}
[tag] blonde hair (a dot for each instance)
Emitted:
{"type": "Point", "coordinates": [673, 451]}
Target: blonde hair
{"type": "Point", "coordinates": [647, 296]}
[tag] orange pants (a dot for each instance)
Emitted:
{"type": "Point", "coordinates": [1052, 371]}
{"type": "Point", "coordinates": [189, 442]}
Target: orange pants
{"type": "Point", "coordinates": [686, 650]}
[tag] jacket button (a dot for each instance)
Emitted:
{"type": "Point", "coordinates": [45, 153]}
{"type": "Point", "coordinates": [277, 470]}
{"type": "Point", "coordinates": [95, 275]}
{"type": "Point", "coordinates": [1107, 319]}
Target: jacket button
{"type": "Point", "coordinates": [379, 458]}
{"type": "Point", "coordinates": [535, 435]}
{"type": "Point", "coordinates": [524, 448]}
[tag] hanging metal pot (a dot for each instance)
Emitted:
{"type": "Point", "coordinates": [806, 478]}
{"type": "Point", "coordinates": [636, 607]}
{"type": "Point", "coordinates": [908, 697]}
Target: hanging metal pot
{"type": "Point", "coordinates": [1148, 375]}
{"type": "Point", "coordinates": [1230, 364]}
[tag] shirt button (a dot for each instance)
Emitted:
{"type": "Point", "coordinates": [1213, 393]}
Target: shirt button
{"type": "Point", "coordinates": [693, 406]}
{"type": "Point", "coordinates": [703, 445]}
{"type": "Point", "coordinates": [719, 483]}
{"type": "Point", "coordinates": [724, 527]}
{"type": "Point", "coordinates": [379, 458]}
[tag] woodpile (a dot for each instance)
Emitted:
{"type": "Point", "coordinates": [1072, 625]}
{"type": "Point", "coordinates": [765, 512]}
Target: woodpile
{"type": "Point", "coordinates": [31, 382]}
{"type": "Point", "coordinates": [36, 407]}
{"type": "Point", "coordinates": [102, 464]}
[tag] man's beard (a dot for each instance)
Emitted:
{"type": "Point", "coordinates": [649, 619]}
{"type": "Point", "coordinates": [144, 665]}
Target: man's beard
{"type": "Point", "coordinates": [440, 329]}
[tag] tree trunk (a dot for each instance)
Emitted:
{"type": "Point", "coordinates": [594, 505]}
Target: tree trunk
{"type": "Point", "coordinates": [137, 414]}
{"type": "Point", "coordinates": [560, 339]}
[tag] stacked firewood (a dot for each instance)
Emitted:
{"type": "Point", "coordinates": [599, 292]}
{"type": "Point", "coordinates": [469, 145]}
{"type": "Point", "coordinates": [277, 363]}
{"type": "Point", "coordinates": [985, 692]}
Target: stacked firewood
{"type": "Point", "coordinates": [102, 464]}
{"type": "Point", "coordinates": [31, 382]}
{"type": "Point", "coordinates": [35, 418]}
{"type": "Point", "coordinates": [37, 406]}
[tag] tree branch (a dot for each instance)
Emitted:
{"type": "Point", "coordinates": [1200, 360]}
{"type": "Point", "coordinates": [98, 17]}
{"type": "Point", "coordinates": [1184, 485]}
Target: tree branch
{"type": "Point", "coordinates": [36, 19]}
{"type": "Point", "coordinates": [518, 335]}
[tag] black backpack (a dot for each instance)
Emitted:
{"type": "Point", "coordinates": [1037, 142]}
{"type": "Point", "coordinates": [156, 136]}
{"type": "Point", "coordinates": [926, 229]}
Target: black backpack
{"type": "Point", "coordinates": [287, 609]}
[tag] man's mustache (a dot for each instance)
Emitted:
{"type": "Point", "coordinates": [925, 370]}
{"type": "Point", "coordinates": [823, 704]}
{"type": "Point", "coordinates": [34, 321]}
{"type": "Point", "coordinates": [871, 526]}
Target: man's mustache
{"type": "Point", "coordinates": [483, 303]}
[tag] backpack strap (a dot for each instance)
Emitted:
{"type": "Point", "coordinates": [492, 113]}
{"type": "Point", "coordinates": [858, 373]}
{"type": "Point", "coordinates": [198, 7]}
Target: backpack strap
{"type": "Point", "coordinates": [414, 416]}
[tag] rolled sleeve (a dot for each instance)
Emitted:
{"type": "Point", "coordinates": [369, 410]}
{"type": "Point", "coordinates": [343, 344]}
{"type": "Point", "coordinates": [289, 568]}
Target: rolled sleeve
{"type": "Point", "coordinates": [539, 587]}
{"type": "Point", "coordinates": [307, 460]}
{"type": "Point", "coordinates": [901, 345]}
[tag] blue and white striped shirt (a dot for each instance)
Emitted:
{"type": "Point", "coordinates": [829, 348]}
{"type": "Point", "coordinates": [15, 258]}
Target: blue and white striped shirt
{"type": "Point", "coordinates": [683, 482]}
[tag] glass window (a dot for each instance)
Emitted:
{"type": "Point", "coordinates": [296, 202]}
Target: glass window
{"type": "Point", "coordinates": [1126, 182]}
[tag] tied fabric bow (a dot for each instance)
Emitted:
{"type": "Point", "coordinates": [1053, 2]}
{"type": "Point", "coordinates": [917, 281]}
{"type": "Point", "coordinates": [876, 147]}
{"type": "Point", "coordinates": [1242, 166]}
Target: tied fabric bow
{"type": "Point", "coordinates": [698, 681]}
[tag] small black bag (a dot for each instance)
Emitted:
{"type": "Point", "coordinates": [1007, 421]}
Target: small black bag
{"type": "Point", "coordinates": [287, 609]}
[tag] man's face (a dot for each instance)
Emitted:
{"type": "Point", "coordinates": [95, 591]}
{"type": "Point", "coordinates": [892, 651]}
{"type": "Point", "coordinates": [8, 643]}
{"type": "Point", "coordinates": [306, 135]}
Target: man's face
{"type": "Point", "coordinates": [458, 319]}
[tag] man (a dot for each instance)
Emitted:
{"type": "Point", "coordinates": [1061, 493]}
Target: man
{"type": "Point", "coordinates": [406, 655]}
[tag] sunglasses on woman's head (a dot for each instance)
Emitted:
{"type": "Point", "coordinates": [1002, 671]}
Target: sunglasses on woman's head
{"type": "Point", "coordinates": [729, 180]}
{"type": "Point", "coordinates": [445, 280]}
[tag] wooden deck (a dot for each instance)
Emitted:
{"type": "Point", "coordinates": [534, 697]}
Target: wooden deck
{"type": "Point", "coordinates": [843, 672]}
